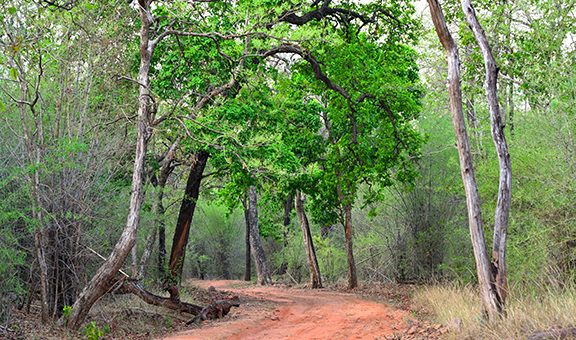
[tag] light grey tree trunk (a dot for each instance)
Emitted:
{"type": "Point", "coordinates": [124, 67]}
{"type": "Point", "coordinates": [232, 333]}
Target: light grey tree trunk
{"type": "Point", "coordinates": [256, 247]}
{"type": "Point", "coordinates": [488, 294]}
{"type": "Point", "coordinates": [315, 277]}
{"type": "Point", "coordinates": [104, 276]}
{"type": "Point", "coordinates": [505, 178]}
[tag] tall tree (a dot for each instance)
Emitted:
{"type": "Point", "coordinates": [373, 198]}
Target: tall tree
{"type": "Point", "coordinates": [491, 303]}
{"type": "Point", "coordinates": [505, 180]}
{"type": "Point", "coordinates": [104, 277]}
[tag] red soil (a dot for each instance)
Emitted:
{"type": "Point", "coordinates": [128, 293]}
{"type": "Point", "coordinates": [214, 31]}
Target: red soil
{"type": "Point", "coordinates": [285, 313]}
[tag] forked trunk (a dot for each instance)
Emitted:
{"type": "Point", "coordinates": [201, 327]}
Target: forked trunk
{"type": "Point", "coordinates": [187, 208]}
{"type": "Point", "coordinates": [256, 247]}
{"type": "Point", "coordinates": [315, 278]}
{"type": "Point", "coordinates": [505, 180]}
{"type": "Point", "coordinates": [488, 295]}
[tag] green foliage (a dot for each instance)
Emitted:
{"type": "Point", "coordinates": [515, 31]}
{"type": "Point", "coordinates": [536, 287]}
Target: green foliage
{"type": "Point", "coordinates": [216, 242]}
{"type": "Point", "coordinates": [93, 332]}
{"type": "Point", "coordinates": [331, 259]}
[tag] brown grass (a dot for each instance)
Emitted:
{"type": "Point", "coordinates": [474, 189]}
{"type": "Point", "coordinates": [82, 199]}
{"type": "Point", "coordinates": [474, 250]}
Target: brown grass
{"type": "Point", "coordinates": [528, 310]}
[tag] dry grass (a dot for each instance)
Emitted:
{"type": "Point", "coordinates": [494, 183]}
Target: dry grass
{"type": "Point", "coordinates": [528, 311]}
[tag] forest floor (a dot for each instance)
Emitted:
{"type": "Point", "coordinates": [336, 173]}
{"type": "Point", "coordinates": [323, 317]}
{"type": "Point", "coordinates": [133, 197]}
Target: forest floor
{"type": "Point", "coordinates": [280, 312]}
{"type": "Point", "coordinates": [372, 311]}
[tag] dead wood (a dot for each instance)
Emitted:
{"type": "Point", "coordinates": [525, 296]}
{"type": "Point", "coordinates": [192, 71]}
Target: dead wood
{"type": "Point", "coordinates": [134, 287]}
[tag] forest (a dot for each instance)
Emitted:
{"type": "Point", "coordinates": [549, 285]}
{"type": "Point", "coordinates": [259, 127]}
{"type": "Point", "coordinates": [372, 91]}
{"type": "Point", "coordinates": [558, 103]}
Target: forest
{"type": "Point", "coordinates": [165, 165]}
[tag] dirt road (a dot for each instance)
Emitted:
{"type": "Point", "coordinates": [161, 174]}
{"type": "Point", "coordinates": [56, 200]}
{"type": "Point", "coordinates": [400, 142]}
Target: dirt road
{"type": "Point", "coordinates": [282, 313]}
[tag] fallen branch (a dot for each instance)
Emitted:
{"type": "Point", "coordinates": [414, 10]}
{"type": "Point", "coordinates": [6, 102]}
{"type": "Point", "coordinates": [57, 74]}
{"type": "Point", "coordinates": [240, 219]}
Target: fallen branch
{"type": "Point", "coordinates": [134, 287]}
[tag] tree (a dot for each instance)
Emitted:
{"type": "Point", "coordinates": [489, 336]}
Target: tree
{"type": "Point", "coordinates": [315, 277]}
{"type": "Point", "coordinates": [104, 277]}
{"type": "Point", "coordinates": [505, 181]}
{"type": "Point", "coordinates": [492, 285]}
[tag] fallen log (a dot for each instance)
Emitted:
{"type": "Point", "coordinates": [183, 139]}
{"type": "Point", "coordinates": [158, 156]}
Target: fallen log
{"type": "Point", "coordinates": [134, 287]}
{"type": "Point", "coordinates": [553, 334]}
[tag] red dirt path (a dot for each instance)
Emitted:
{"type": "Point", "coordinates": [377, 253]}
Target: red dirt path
{"type": "Point", "coordinates": [285, 313]}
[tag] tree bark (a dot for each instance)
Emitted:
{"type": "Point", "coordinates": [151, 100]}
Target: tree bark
{"type": "Point", "coordinates": [248, 267]}
{"type": "Point", "coordinates": [315, 277]}
{"type": "Point", "coordinates": [505, 178]}
{"type": "Point", "coordinates": [348, 236]}
{"type": "Point", "coordinates": [256, 247]}
{"type": "Point", "coordinates": [187, 208]}
{"type": "Point", "coordinates": [488, 294]}
{"type": "Point", "coordinates": [104, 276]}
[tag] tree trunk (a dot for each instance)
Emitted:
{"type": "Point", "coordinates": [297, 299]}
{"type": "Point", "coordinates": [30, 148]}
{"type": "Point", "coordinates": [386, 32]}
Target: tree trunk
{"type": "Point", "coordinates": [256, 247]}
{"type": "Point", "coordinates": [166, 169]}
{"type": "Point", "coordinates": [248, 267]}
{"type": "Point", "coordinates": [187, 208]}
{"type": "Point", "coordinates": [104, 276]}
{"type": "Point", "coordinates": [348, 236]}
{"type": "Point", "coordinates": [488, 293]}
{"type": "Point", "coordinates": [315, 277]}
{"type": "Point", "coordinates": [505, 180]}
{"type": "Point", "coordinates": [43, 268]}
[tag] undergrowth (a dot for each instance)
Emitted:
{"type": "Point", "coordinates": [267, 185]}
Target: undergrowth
{"type": "Point", "coordinates": [528, 310]}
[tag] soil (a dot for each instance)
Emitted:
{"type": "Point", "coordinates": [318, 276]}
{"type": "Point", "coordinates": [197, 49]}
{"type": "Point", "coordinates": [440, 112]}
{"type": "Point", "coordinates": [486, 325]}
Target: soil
{"type": "Point", "coordinates": [289, 313]}
{"type": "Point", "coordinates": [373, 311]}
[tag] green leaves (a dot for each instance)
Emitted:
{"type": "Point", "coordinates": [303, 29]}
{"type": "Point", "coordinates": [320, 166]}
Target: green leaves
{"type": "Point", "coordinates": [13, 73]}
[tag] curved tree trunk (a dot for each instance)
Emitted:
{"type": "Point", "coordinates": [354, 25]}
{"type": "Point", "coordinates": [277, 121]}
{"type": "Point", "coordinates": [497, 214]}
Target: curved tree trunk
{"type": "Point", "coordinates": [505, 180]}
{"type": "Point", "coordinates": [103, 278]}
{"type": "Point", "coordinates": [488, 294]}
{"type": "Point", "coordinates": [256, 247]}
{"type": "Point", "coordinates": [185, 216]}
{"type": "Point", "coordinates": [315, 277]}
